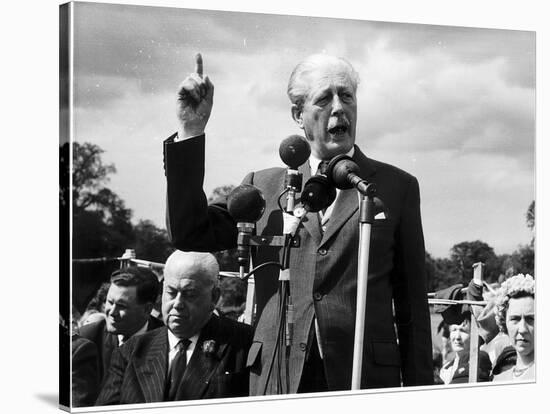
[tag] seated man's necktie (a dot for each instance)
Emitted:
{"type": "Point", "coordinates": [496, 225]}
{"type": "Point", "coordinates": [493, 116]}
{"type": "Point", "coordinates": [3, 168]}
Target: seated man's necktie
{"type": "Point", "coordinates": [177, 369]}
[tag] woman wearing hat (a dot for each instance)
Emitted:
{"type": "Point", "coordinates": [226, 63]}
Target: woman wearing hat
{"type": "Point", "coordinates": [457, 370]}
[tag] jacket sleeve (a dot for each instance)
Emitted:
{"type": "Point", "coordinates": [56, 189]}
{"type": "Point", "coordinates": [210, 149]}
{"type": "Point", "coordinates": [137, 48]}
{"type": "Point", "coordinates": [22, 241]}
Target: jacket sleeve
{"type": "Point", "coordinates": [410, 300]}
{"type": "Point", "coordinates": [192, 224]}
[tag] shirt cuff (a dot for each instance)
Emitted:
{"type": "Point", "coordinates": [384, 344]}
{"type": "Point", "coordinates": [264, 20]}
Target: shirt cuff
{"type": "Point", "coordinates": [178, 139]}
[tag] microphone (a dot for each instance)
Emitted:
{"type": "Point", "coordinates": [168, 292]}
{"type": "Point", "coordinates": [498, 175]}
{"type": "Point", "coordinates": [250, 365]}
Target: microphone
{"type": "Point", "coordinates": [343, 172]}
{"type": "Point", "coordinates": [318, 194]}
{"type": "Point", "coordinates": [294, 151]}
{"type": "Point", "coordinates": [246, 205]}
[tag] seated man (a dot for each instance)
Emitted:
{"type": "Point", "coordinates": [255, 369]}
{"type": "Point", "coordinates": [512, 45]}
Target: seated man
{"type": "Point", "coordinates": [128, 306]}
{"type": "Point", "coordinates": [197, 355]}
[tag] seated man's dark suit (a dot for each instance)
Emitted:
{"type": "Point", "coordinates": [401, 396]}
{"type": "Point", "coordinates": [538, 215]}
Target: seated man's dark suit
{"type": "Point", "coordinates": [139, 368]}
{"type": "Point", "coordinates": [85, 372]}
{"type": "Point", "coordinates": [106, 343]}
{"type": "Point", "coordinates": [323, 273]}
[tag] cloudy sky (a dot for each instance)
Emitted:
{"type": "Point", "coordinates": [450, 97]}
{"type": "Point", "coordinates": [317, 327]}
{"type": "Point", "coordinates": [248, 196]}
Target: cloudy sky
{"type": "Point", "coordinates": [453, 106]}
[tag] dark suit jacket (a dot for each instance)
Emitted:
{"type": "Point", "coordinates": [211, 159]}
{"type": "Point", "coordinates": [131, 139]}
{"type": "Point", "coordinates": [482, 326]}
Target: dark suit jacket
{"type": "Point", "coordinates": [462, 373]}
{"type": "Point", "coordinates": [106, 343]}
{"type": "Point", "coordinates": [85, 372]}
{"type": "Point", "coordinates": [323, 272]}
{"type": "Point", "coordinates": [139, 368]}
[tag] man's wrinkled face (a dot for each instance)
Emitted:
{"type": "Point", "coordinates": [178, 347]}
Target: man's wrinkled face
{"type": "Point", "coordinates": [329, 113]}
{"type": "Point", "coordinates": [520, 324]}
{"type": "Point", "coordinates": [125, 315]}
{"type": "Point", "coordinates": [187, 303]}
{"type": "Point", "coordinates": [459, 335]}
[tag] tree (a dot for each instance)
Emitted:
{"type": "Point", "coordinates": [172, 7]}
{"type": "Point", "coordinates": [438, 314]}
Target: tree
{"type": "Point", "coordinates": [524, 256]}
{"type": "Point", "coordinates": [151, 243]}
{"type": "Point", "coordinates": [530, 216]}
{"type": "Point", "coordinates": [89, 177]}
{"type": "Point", "coordinates": [463, 255]}
{"type": "Point", "coordinates": [440, 273]}
{"type": "Point", "coordinates": [101, 222]}
{"type": "Point", "coordinates": [220, 192]}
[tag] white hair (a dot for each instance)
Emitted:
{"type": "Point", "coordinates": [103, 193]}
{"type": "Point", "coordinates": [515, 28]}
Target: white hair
{"type": "Point", "coordinates": [297, 90]}
{"type": "Point", "coordinates": [196, 263]}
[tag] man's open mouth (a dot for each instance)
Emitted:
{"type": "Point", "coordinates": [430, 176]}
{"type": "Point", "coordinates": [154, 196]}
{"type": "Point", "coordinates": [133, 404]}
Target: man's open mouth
{"type": "Point", "coordinates": [338, 130]}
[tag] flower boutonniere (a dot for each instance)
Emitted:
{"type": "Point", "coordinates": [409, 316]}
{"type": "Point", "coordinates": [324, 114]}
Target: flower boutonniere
{"type": "Point", "coordinates": [209, 347]}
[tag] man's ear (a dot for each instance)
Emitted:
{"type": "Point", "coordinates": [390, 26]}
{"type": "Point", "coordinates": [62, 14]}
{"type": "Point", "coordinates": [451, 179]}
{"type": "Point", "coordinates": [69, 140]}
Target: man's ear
{"type": "Point", "coordinates": [297, 115]}
{"type": "Point", "coordinates": [215, 294]}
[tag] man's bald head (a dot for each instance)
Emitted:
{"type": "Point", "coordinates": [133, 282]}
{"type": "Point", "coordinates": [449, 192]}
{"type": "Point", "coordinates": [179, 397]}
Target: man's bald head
{"type": "Point", "coordinates": [199, 265]}
{"type": "Point", "coordinates": [190, 291]}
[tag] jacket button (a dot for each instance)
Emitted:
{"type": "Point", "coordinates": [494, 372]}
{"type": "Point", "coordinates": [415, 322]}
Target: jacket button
{"type": "Point", "coordinates": [322, 252]}
{"type": "Point", "coordinates": [317, 296]}
{"type": "Point", "coordinates": [302, 346]}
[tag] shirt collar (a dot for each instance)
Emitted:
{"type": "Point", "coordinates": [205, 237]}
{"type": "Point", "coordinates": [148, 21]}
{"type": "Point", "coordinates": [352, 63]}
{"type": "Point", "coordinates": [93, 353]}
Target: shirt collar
{"type": "Point", "coordinates": [173, 340]}
{"type": "Point", "coordinates": [314, 161]}
{"type": "Point", "coordinates": [122, 339]}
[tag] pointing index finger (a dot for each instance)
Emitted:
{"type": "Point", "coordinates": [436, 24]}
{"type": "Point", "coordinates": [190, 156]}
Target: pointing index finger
{"type": "Point", "coordinates": [198, 66]}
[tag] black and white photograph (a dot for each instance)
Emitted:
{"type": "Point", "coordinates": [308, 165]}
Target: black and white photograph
{"type": "Point", "coordinates": [262, 210]}
{"type": "Point", "coordinates": [198, 273]}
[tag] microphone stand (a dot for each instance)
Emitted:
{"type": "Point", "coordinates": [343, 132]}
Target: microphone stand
{"type": "Point", "coordinates": [285, 320]}
{"type": "Point", "coordinates": [366, 218]}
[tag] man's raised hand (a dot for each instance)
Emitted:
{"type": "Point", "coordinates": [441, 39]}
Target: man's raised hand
{"type": "Point", "coordinates": [194, 102]}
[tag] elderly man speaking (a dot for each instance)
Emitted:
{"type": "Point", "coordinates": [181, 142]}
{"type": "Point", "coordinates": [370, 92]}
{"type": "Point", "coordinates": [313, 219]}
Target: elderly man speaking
{"type": "Point", "coordinates": [197, 355]}
{"type": "Point", "coordinates": [323, 269]}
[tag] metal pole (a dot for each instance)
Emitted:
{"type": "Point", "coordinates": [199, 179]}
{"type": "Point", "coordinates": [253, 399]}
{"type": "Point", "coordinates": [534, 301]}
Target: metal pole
{"type": "Point", "coordinates": [474, 330]}
{"type": "Point", "coordinates": [365, 210]}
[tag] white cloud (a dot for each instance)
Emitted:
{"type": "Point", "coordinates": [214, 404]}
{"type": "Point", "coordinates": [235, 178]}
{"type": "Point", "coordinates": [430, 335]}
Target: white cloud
{"type": "Point", "coordinates": [453, 106]}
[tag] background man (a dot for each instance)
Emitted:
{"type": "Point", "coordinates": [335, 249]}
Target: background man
{"type": "Point", "coordinates": [196, 355]}
{"type": "Point", "coordinates": [323, 270]}
{"type": "Point", "coordinates": [128, 305]}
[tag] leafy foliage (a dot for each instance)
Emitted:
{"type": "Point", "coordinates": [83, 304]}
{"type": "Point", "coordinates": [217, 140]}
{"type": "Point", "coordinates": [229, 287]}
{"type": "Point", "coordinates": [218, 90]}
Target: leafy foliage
{"type": "Point", "coordinates": [226, 258]}
{"type": "Point", "coordinates": [444, 272]}
{"type": "Point", "coordinates": [465, 254]}
{"type": "Point", "coordinates": [102, 224]}
{"type": "Point", "coordinates": [220, 192]}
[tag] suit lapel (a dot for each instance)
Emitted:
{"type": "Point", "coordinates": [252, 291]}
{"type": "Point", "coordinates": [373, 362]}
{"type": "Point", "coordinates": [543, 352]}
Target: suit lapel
{"type": "Point", "coordinates": [110, 342]}
{"type": "Point", "coordinates": [202, 366]}
{"type": "Point", "coordinates": [151, 369]}
{"type": "Point", "coordinates": [347, 202]}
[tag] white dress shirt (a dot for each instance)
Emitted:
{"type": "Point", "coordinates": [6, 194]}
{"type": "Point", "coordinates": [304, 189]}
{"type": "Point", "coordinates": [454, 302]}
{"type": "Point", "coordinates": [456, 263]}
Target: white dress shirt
{"type": "Point", "coordinates": [173, 341]}
{"type": "Point", "coordinates": [314, 165]}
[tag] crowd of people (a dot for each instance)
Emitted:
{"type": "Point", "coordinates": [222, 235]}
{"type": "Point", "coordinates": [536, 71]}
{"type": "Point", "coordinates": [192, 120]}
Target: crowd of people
{"type": "Point", "coordinates": [101, 362]}
{"type": "Point", "coordinates": [128, 350]}
{"type": "Point", "coordinates": [506, 329]}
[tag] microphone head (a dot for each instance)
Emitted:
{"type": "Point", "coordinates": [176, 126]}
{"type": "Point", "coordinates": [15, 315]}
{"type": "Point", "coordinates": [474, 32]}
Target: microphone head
{"type": "Point", "coordinates": [246, 203]}
{"type": "Point", "coordinates": [318, 194]}
{"type": "Point", "coordinates": [338, 170]}
{"type": "Point", "coordinates": [294, 151]}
